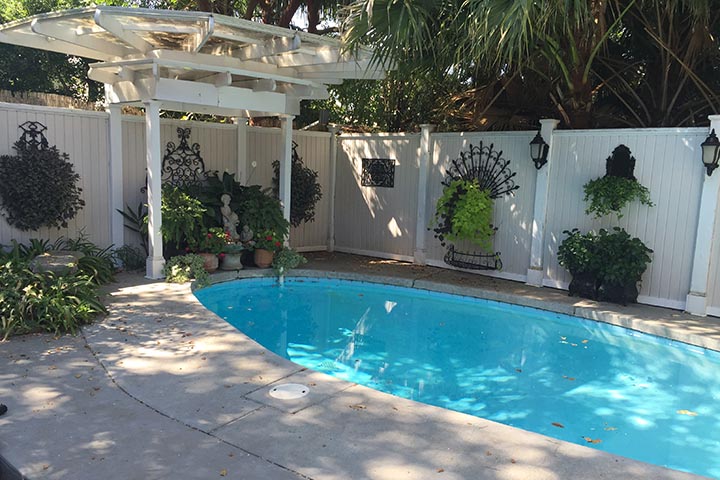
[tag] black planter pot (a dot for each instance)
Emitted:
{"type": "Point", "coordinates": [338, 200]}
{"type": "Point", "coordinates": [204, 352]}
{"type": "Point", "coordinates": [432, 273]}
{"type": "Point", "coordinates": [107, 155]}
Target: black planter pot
{"type": "Point", "coordinates": [619, 293]}
{"type": "Point", "coordinates": [584, 284]}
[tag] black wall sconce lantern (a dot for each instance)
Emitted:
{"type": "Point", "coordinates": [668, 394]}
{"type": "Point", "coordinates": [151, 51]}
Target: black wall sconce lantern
{"type": "Point", "coordinates": [539, 151]}
{"type": "Point", "coordinates": [711, 152]}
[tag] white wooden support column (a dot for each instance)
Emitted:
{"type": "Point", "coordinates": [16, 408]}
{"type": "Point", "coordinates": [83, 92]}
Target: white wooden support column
{"type": "Point", "coordinates": [420, 256]}
{"type": "Point", "coordinates": [536, 271]}
{"type": "Point", "coordinates": [117, 225]}
{"type": "Point", "coordinates": [242, 144]}
{"type": "Point", "coordinates": [155, 261]}
{"type": "Point", "coordinates": [696, 301]}
{"type": "Point", "coordinates": [334, 130]}
{"type": "Point", "coordinates": [286, 123]}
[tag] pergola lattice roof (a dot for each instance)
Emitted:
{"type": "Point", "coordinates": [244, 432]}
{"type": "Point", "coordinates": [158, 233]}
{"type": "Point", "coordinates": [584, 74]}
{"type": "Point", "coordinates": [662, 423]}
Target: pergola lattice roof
{"type": "Point", "coordinates": [195, 61]}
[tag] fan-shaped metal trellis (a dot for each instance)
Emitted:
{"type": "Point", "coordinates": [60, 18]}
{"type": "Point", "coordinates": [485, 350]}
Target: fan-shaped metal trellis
{"type": "Point", "coordinates": [485, 166]}
{"type": "Point", "coordinates": [182, 164]}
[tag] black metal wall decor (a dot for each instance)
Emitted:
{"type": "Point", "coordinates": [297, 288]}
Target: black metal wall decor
{"type": "Point", "coordinates": [620, 163]}
{"type": "Point", "coordinates": [378, 172]}
{"type": "Point", "coordinates": [182, 164]}
{"type": "Point", "coordinates": [485, 166]}
{"type": "Point", "coordinates": [33, 136]}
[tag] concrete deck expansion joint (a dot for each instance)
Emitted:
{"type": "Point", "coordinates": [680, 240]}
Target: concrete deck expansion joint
{"type": "Point", "coordinates": [164, 389]}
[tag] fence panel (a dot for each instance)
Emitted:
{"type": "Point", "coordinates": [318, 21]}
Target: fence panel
{"type": "Point", "coordinates": [83, 136]}
{"type": "Point", "coordinates": [377, 220]}
{"type": "Point", "coordinates": [513, 214]}
{"type": "Point", "coordinates": [667, 163]}
{"type": "Point", "coordinates": [713, 293]}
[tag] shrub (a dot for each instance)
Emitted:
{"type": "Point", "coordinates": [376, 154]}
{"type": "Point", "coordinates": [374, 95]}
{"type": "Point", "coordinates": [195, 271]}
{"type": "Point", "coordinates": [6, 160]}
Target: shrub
{"type": "Point", "coordinates": [32, 302]}
{"type": "Point", "coordinates": [132, 258]}
{"type": "Point", "coordinates": [287, 259]}
{"type": "Point", "coordinates": [182, 268]}
{"type": "Point", "coordinates": [38, 187]}
{"type": "Point", "coordinates": [182, 216]}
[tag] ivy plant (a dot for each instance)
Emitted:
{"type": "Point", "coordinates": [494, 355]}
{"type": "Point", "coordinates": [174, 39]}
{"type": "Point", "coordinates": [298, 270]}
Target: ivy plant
{"type": "Point", "coordinates": [464, 212]}
{"type": "Point", "coordinates": [305, 191]}
{"type": "Point", "coordinates": [182, 268]}
{"type": "Point", "coordinates": [610, 194]}
{"type": "Point", "coordinates": [38, 187]}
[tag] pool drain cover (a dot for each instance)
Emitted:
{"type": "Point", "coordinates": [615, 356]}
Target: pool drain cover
{"type": "Point", "coordinates": [289, 391]}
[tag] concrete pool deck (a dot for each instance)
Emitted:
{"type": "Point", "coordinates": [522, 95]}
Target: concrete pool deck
{"type": "Point", "coordinates": [163, 389]}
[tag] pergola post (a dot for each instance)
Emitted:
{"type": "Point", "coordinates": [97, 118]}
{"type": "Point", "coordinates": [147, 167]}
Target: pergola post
{"type": "Point", "coordinates": [334, 130]}
{"type": "Point", "coordinates": [286, 122]}
{"type": "Point", "coordinates": [155, 261]}
{"type": "Point", "coordinates": [536, 273]}
{"type": "Point", "coordinates": [696, 300]}
{"type": "Point", "coordinates": [117, 225]}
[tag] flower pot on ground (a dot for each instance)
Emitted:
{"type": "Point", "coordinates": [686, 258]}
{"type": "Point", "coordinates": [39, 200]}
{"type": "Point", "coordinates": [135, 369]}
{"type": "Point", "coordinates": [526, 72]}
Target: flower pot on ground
{"type": "Point", "coordinates": [231, 257]}
{"type": "Point", "coordinates": [209, 245]}
{"type": "Point", "coordinates": [266, 244]}
{"type": "Point", "coordinates": [578, 254]}
{"type": "Point", "coordinates": [210, 261]}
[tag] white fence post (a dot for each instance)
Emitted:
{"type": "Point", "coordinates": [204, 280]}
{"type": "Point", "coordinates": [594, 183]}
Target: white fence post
{"type": "Point", "coordinates": [334, 130]}
{"type": "Point", "coordinates": [536, 271]}
{"type": "Point", "coordinates": [696, 301]}
{"type": "Point", "coordinates": [242, 149]}
{"type": "Point", "coordinates": [286, 123]}
{"type": "Point", "coordinates": [424, 167]}
{"type": "Point", "coordinates": [115, 139]}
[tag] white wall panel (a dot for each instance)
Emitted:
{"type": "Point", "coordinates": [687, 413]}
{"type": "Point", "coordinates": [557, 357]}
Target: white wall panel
{"type": "Point", "coordinates": [83, 136]}
{"type": "Point", "coordinates": [713, 293]}
{"type": "Point", "coordinates": [512, 213]}
{"type": "Point", "coordinates": [668, 164]}
{"type": "Point", "coordinates": [376, 219]}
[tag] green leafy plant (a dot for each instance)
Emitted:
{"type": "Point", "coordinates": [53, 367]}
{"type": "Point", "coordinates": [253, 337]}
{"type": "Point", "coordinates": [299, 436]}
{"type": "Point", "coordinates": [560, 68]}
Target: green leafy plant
{"type": "Point", "coordinates": [305, 191]}
{"type": "Point", "coordinates": [464, 212]}
{"type": "Point", "coordinates": [268, 240]}
{"type": "Point", "coordinates": [182, 268]}
{"type": "Point", "coordinates": [261, 211]}
{"type": "Point", "coordinates": [33, 302]}
{"type": "Point", "coordinates": [38, 187]}
{"type": "Point", "coordinates": [182, 216]}
{"type": "Point", "coordinates": [610, 194]}
{"type": "Point", "coordinates": [623, 258]}
{"type": "Point", "coordinates": [285, 260]}
{"type": "Point", "coordinates": [136, 221]}
{"type": "Point", "coordinates": [578, 252]}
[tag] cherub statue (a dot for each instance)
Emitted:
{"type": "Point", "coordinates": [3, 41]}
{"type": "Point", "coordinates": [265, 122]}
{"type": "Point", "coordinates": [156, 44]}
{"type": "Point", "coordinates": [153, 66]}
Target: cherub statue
{"type": "Point", "coordinates": [230, 218]}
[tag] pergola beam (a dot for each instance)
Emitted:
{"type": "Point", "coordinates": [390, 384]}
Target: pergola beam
{"type": "Point", "coordinates": [50, 28]}
{"type": "Point", "coordinates": [105, 20]}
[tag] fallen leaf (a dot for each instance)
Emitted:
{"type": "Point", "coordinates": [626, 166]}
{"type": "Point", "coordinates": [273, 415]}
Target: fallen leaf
{"type": "Point", "coordinates": [78, 375]}
{"type": "Point", "coordinates": [610, 429]}
{"type": "Point", "coordinates": [488, 453]}
{"type": "Point", "coordinates": [556, 424]}
{"type": "Point", "coordinates": [688, 413]}
{"type": "Point", "coordinates": [572, 379]}
{"type": "Point", "coordinates": [357, 407]}
{"type": "Point", "coordinates": [440, 470]}
{"type": "Point", "coordinates": [592, 440]}
{"type": "Point", "coordinates": [512, 460]}
{"type": "Point", "coordinates": [585, 341]}
{"type": "Point", "coordinates": [519, 370]}
{"type": "Point", "coordinates": [223, 472]}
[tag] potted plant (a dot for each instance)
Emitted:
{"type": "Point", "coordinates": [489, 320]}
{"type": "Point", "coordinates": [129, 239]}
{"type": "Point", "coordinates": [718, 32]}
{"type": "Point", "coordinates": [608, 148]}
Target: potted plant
{"type": "Point", "coordinates": [578, 254]}
{"type": "Point", "coordinates": [266, 244]}
{"type": "Point", "coordinates": [182, 218]}
{"type": "Point", "coordinates": [610, 194]}
{"type": "Point", "coordinates": [464, 212]}
{"type": "Point", "coordinates": [622, 262]}
{"type": "Point", "coordinates": [209, 245]}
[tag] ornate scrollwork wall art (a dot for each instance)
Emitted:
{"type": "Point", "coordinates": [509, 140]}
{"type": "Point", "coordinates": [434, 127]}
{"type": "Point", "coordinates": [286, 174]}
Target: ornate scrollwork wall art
{"type": "Point", "coordinates": [182, 164]}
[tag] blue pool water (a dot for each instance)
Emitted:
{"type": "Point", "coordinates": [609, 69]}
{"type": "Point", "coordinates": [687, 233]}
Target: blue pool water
{"type": "Point", "coordinates": [594, 384]}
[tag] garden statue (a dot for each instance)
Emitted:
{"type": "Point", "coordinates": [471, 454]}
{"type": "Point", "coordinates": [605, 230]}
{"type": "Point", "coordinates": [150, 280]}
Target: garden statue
{"type": "Point", "coordinates": [230, 218]}
{"type": "Point", "coordinates": [246, 236]}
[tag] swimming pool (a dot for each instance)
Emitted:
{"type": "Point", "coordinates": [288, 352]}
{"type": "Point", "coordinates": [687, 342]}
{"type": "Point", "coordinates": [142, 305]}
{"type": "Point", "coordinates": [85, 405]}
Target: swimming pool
{"type": "Point", "coordinates": [606, 387]}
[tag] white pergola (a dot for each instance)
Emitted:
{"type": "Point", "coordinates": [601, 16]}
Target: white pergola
{"type": "Point", "coordinates": [190, 62]}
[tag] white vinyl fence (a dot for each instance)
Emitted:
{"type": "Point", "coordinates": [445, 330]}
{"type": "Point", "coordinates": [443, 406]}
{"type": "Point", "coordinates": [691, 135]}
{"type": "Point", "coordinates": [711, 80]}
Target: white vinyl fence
{"type": "Point", "coordinates": [389, 222]}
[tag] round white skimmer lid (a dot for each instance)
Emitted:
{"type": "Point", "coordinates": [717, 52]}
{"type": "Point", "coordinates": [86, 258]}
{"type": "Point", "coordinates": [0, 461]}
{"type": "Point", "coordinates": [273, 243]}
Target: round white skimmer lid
{"type": "Point", "coordinates": [289, 391]}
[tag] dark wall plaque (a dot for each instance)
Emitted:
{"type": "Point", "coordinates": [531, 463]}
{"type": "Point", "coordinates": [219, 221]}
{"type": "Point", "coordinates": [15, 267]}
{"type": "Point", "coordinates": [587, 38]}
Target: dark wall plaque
{"type": "Point", "coordinates": [378, 172]}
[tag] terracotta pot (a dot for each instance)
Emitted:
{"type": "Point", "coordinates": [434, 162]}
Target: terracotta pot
{"type": "Point", "coordinates": [263, 258]}
{"type": "Point", "coordinates": [231, 261]}
{"type": "Point", "coordinates": [211, 261]}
